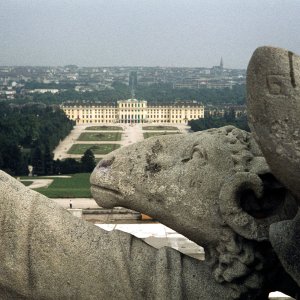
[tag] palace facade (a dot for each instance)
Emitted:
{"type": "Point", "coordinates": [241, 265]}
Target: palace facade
{"type": "Point", "coordinates": [134, 111]}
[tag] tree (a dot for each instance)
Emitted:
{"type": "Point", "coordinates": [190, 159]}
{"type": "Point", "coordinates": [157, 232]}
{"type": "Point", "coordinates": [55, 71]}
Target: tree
{"type": "Point", "coordinates": [229, 115]}
{"type": "Point", "coordinates": [217, 121]}
{"type": "Point", "coordinates": [48, 161]}
{"type": "Point", "coordinates": [68, 166]}
{"type": "Point", "coordinates": [37, 162]}
{"type": "Point", "coordinates": [1, 161]}
{"type": "Point", "coordinates": [14, 162]}
{"type": "Point", "coordinates": [23, 129]}
{"type": "Point", "coordinates": [88, 161]}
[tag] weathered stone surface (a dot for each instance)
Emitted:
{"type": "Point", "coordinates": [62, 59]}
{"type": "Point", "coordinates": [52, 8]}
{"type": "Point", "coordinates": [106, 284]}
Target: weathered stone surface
{"type": "Point", "coordinates": [273, 93]}
{"type": "Point", "coordinates": [214, 187]}
{"type": "Point", "coordinates": [46, 253]}
{"type": "Point", "coordinates": [285, 239]}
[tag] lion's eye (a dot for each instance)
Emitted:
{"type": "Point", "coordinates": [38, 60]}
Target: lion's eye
{"type": "Point", "coordinates": [186, 159]}
{"type": "Point", "coordinates": [196, 152]}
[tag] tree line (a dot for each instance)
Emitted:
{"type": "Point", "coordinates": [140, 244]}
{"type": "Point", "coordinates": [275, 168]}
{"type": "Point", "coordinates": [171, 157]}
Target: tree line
{"type": "Point", "coordinates": [29, 133]}
{"type": "Point", "coordinates": [43, 164]}
{"type": "Point", "coordinates": [158, 93]}
{"type": "Point", "coordinates": [218, 120]}
{"type": "Point", "coordinates": [165, 93]}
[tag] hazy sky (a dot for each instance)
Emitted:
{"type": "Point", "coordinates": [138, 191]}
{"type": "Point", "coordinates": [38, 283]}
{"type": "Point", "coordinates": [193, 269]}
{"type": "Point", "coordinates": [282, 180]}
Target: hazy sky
{"type": "Point", "coordinates": [144, 32]}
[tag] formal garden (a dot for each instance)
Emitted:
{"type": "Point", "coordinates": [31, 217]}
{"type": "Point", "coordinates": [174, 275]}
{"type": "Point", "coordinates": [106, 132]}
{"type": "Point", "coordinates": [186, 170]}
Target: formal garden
{"type": "Point", "coordinates": [95, 148]}
{"type": "Point", "coordinates": [103, 128]}
{"type": "Point", "coordinates": [100, 136]}
{"type": "Point", "coordinates": [160, 127]}
{"type": "Point", "coordinates": [151, 134]}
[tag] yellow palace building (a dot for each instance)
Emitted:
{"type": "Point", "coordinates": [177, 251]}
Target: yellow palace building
{"type": "Point", "coordinates": [134, 111]}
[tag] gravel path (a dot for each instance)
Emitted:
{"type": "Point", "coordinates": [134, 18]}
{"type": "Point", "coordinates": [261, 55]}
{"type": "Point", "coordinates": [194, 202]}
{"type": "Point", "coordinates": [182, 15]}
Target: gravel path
{"type": "Point", "coordinates": [38, 183]}
{"type": "Point", "coordinates": [83, 203]}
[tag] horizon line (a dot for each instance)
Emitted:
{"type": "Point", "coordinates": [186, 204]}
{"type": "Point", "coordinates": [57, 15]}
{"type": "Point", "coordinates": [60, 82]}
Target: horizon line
{"type": "Point", "coordinates": [116, 66]}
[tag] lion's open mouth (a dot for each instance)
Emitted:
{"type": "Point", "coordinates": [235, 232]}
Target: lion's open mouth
{"type": "Point", "coordinates": [105, 189]}
{"type": "Point", "coordinates": [106, 197]}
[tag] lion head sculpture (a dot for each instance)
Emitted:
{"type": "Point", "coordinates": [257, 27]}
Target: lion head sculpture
{"type": "Point", "coordinates": [214, 187]}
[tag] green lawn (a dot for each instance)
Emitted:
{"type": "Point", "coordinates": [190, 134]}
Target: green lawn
{"type": "Point", "coordinates": [78, 186]}
{"type": "Point", "coordinates": [27, 183]}
{"type": "Point", "coordinates": [97, 159]}
{"type": "Point", "coordinates": [150, 134]}
{"type": "Point", "coordinates": [104, 128]}
{"type": "Point", "coordinates": [100, 136]}
{"type": "Point", "coordinates": [96, 149]}
{"type": "Point", "coordinates": [160, 128]}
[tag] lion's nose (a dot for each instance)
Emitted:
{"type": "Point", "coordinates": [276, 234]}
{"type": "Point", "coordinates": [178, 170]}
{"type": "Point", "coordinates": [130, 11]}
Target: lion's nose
{"type": "Point", "coordinates": [105, 163]}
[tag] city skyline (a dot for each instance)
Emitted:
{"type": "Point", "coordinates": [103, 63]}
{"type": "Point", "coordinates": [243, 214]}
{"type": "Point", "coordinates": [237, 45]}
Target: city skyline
{"type": "Point", "coordinates": [132, 67]}
{"type": "Point", "coordinates": [144, 33]}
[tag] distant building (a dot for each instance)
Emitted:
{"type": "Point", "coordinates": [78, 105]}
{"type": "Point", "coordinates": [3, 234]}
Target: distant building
{"type": "Point", "coordinates": [43, 91]}
{"type": "Point", "coordinates": [218, 70]}
{"type": "Point", "coordinates": [219, 110]}
{"type": "Point", "coordinates": [8, 94]}
{"type": "Point", "coordinates": [134, 111]}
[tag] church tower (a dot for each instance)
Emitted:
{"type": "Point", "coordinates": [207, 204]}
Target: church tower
{"type": "Point", "coordinates": [221, 63]}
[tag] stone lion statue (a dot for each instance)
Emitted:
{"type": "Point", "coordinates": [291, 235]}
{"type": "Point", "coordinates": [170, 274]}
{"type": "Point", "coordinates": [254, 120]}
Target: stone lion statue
{"type": "Point", "coordinates": [214, 187]}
